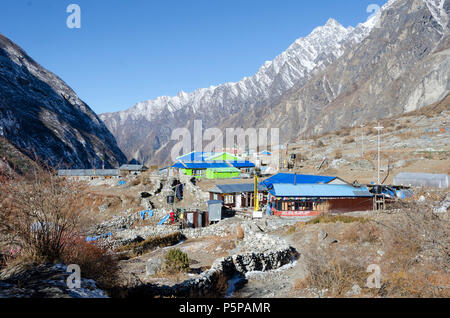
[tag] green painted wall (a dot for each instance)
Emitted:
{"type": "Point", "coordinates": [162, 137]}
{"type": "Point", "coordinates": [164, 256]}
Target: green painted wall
{"type": "Point", "coordinates": [225, 173]}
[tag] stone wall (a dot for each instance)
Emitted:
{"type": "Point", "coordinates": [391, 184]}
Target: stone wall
{"type": "Point", "coordinates": [274, 254]}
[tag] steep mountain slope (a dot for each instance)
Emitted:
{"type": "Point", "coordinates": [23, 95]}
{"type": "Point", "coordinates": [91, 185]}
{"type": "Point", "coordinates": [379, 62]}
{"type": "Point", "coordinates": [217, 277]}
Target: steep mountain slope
{"type": "Point", "coordinates": [144, 129]}
{"type": "Point", "coordinates": [45, 119]}
{"type": "Point", "coordinates": [396, 62]}
{"type": "Point", "coordinates": [401, 66]}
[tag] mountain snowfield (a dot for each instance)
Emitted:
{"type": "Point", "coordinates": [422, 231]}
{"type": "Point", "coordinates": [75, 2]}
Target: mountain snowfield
{"type": "Point", "coordinates": [143, 131]}
{"type": "Point", "coordinates": [324, 45]}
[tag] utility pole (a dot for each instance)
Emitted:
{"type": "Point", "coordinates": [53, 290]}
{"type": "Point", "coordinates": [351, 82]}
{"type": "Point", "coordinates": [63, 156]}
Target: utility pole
{"type": "Point", "coordinates": [379, 128]}
{"type": "Point", "coordinates": [362, 141]}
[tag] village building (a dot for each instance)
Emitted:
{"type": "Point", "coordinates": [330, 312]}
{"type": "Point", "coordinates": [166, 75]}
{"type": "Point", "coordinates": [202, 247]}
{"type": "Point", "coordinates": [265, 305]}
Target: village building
{"type": "Point", "coordinates": [315, 199]}
{"type": "Point", "coordinates": [238, 196]}
{"type": "Point", "coordinates": [89, 174]}
{"type": "Point", "coordinates": [132, 169]}
{"type": "Point", "coordinates": [212, 165]}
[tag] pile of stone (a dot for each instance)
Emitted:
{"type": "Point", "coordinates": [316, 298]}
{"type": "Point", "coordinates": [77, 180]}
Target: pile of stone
{"type": "Point", "coordinates": [118, 223]}
{"type": "Point", "coordinates": [255, 241]}
{"type": "Point", "coordinates": [221, 229]}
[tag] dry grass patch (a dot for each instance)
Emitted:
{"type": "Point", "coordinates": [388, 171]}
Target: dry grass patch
{"type": "Point", "coordinates": [330, 273]}
{"type": "Point", "coordinates": [337, 218]}
{"type": "Point", "coordinates": [362, 232]}
{"type": "Point", "coordinates": [139, 248]}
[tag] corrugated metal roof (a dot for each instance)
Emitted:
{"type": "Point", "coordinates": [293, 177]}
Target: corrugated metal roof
{"type": "Point", "coordinates": [290, 178]}
{"type": "Point", "coordinates": [196, 156]}
{"type": "Point", "coordinates": [242, 164]}
{"type": "Point", "coordinates": [237, 188]}
{"type": "Point", "coordinates": [318, 190]}
{"type": "Point", "coordinates": [210, 202]}
{"type": "Point", "coordinates": [225, 169]}
{"type": "Point", "coordinates": [201, 165]}
{"type": "Point", "coordinates": [89, 173]}
{"type": "Point", "coordinates": [133, 167]}
{"type": "Point", "coordinates": [179, 165]}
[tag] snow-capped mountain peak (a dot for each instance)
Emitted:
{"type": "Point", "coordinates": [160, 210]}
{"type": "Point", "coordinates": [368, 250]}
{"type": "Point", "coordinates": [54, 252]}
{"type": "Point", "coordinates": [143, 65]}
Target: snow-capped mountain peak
{"type": "Point", "coordinates": [292, 67]}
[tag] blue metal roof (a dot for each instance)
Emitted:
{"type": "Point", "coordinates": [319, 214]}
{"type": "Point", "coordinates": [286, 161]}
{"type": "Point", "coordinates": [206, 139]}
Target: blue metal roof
{"type": "Point", "coordinates": [242, 164]}
{"type": "Point", "coordinates": [179, 165]}
{"type": "Point", "coordinates": [319, 190]}
{"type": "Point", "coordinates": [290, 178]}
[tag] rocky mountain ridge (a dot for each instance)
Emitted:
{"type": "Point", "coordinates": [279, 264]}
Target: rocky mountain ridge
{"type": "Point", "coordinates": [44, 118]}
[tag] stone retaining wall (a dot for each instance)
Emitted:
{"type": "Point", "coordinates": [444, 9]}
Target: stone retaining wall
{"type": "Point", "coordinates": [209, 282]}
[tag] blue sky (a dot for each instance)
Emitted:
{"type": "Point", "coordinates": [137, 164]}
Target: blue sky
{"type": "Point", "coordinates": [129, 51]}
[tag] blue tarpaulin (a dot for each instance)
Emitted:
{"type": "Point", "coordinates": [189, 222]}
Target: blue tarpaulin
{"type": "Point", "coordinates": [121, 182]}
{"type": "Point", "coordinates": [95, 238]}
{"type": "Point", "coordinates": [404, 194]}
{"type": "Point", "coordinates": [146, 213]}
{"type": "Point", "coordinates": [164, 219]}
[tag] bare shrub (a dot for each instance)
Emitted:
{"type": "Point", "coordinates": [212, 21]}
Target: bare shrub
{"type": "Point", "coordinates": [95, 262]}
{"type": "Point", "coordinates": [330, 271]}
{"type": "Point", "coordinates": [40, 215]}
{"type": "Point", "coordinates": [417, 254]}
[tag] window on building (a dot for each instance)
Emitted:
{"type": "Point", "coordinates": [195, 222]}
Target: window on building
{"type": "Point", "coordinates": [229, 199]}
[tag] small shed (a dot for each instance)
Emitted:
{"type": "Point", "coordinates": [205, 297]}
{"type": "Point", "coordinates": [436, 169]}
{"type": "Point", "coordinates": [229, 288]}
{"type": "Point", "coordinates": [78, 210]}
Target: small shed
{"type": "Point", "coordinates": [128, 168]}
{"type": "Point", "coordinates": [215, 210]}
{"type": "Point", "coordinates": [197, 219]}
